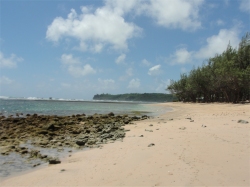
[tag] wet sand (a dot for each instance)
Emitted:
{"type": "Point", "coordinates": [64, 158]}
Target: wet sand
{"type": "Point", "coordinates": [210, 148]}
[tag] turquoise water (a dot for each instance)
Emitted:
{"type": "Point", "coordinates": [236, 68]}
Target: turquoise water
{"type": "Point", "coordinates": [64, 108]}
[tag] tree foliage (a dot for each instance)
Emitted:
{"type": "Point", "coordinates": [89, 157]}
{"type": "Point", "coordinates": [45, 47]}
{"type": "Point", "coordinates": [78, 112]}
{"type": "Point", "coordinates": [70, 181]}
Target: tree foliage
{"type": "Point", "coordinates": [225, 77]}
{"type": "Point", "coordinates": [145, 97]}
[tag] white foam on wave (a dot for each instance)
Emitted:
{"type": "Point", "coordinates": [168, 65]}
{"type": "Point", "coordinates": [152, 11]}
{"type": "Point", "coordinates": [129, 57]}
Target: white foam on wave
{"type": "Point", "coordinates": [3, 97]}
{"type": "Point", "coordinates": [32, 98]}
{"type": "Point", "coordinates": [39, 99]}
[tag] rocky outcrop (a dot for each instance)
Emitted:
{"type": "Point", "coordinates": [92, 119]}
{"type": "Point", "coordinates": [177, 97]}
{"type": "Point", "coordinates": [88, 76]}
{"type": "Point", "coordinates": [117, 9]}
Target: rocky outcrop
{"type": "Point", "coordinates": [77, 131]}
{"type": "Point", "coordinates": [242, 121]}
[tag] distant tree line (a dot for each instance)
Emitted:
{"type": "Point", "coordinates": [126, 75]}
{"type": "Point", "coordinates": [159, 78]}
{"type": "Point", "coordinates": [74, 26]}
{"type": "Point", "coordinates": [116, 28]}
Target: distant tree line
{"type": "Point", "coordinates": [225, 77]}
{"type": "Point", "coordinates": [145, 97]}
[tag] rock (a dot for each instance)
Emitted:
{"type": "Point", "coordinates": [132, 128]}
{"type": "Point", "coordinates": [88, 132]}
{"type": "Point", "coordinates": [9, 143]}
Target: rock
{"type": "Point", "coordinates": [141, 136]}
{"type": "Point", "coordinates": [118, 134]}
{"type": "Point", "coordinates": [24, 151]}
{"type": "Point", "coordinates": [191, 120]}
{"type": "Point", "coordinates": [144, 117]}
{"type": "Point", "coordinates": [182, 128]}
{"type": "Point", "coordinates": [36, 164]}
{"type": "Point", "coordinates": [76, 131]}
{"type": "Point", "coordinates": [105, 135]}
{"type": "Point", "coordinates": [242, 121]}
{"type": "Point", "coordinates": [43, 132]}
{"type": "Point", "coordinates": [203, 126]}
{"type": "Point", "coordinates": [151, 125]}
{"type": "Point", "coordinates": [81, 142]}
{"type": "Point", "coordinates": [34, 153]}
{"type": "Point", "coordinates": [5, 152]}
{"type": "Point", "coordinates": [150, 145]}
{"type": "Point", "coordinates": [59, 144]}
{"type": "Point", "coordinates": [91, 141]}
{"type": "Point", "coordinates": [111, 114]}
{"type": "Point", "coordinates": [15, 120]}
{"type": "Point", "coordinates": [106, 130]}
{"type": "Point", "coordinates": [135, 118]}
{"type": "Point", "coordinates": [43, 142]}
{"type": "Point", "coordinates": [82, 139]}
{"type": "Point", "coordinates": [54, 161]}
{"type": "Point", "coordinates": [58, 132]}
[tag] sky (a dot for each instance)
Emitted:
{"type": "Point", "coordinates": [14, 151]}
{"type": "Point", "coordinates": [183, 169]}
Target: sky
{"type": "Point", "coordinates": [75, 49]}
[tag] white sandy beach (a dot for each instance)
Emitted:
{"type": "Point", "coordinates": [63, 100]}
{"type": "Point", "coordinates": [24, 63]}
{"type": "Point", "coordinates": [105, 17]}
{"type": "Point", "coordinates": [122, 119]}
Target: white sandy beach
{"type": "Point", "coordinates": [213, 150]}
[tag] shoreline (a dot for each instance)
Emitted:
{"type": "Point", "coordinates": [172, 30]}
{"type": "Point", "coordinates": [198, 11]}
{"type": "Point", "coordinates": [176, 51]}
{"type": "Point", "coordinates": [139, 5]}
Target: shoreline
{"type": "Point", "coordinates": [211, 150]}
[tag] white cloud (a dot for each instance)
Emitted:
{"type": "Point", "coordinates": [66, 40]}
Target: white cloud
{"type": "Point", "coordinates": [97, 48]}
{"type": "Point", "coordinates": [78, 71]}
{"type": "Point", "coordinates": [106, 84]}
{"type": "Point", "coordinates": [216, 44]}
{"type": "Point", "coordinates": [220, 22]}
{"type": "Point", "coordinates": [10, 62]}
{"type": "Point", "coordinates": [129, 72]}
{"type": "Point", "coordinates": [120, 59]}
{"type": "Point", "coordinates": [245, 6]}
{"type": "Point", "coordinates": [5, 80]}
{"type": "Point", "coordinates": [94, 30]}
{"type": "Point", "coordinates": [145, 62]}
{"type": "Point", "coordinates": [182, 14]}
{"type": "Point", "coordinates": [181, 56]}
{"type": "Point", "coordinates": [155, 70]}
{"type": "Point", "coordinates": [122, 7]}
{"type": "Point", "coordinates": [74, 66]}
{"type": "Point", "coordinates": [105, 26]}
{"type": "Point", "coordinates": [134, 83]}
{"type": "Point", "coordinates": [68, 59]}
{"type": "Point", "coordinates": [175, 13]}
{"type": "Point", "coordinates": [106, 81]}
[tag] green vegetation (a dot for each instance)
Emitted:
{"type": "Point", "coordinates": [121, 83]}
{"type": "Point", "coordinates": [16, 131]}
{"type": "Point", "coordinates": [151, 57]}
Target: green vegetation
{"type": "Point", "coordinates": [225, 78]}
{"type": "Point", "coordinates": [146, 97]}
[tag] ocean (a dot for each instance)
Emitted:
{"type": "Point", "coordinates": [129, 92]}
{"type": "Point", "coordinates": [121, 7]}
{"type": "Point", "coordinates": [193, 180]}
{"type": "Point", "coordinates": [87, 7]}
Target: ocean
{"type": "Point", "coordinates": [12, 106]}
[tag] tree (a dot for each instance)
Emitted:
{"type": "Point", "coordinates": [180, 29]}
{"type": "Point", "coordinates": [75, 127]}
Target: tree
{"type": "Point", "coordinates": [225, 77]}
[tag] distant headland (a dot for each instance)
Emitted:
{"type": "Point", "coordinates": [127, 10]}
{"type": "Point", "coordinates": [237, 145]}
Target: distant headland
{"type": "Point", "coordinates": [144, 97]}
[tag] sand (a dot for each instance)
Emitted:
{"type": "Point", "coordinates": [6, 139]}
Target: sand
{"type": "Point", "coordinates": [211, 150]}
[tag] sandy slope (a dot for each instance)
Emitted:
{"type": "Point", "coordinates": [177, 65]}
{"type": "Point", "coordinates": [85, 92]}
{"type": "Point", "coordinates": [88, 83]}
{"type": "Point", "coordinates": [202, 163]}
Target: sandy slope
{"type": "Point", "coordinates": [184, 154]}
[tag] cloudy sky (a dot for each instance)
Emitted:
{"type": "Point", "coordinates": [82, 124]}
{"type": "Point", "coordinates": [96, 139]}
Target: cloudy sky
{"type": "Point", "coordinates": [75, 49]}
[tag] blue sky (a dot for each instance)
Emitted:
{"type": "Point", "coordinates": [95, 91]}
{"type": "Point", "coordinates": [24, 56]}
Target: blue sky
{"type": "Point", "coordinates": [76, 49]}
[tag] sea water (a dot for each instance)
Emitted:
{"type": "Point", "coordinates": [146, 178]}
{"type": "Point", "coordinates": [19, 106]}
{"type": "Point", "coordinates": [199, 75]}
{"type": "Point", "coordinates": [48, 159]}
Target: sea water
{"type": "Point", "coordinates": [64, 108]}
